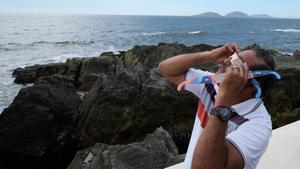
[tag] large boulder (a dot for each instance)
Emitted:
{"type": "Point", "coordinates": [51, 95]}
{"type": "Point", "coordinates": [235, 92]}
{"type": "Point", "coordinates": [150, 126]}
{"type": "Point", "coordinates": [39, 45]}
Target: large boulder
{"type": "Point", "coordinates": [155, 152]}
{"type": "Point", "coordinates": [36, 129]}
{"type": "Point", "coordinates": [124, 107]}
{"type": "Point", "coordinates": [31, 73]}
{"type": "Point", "coordinates": [83, 71]}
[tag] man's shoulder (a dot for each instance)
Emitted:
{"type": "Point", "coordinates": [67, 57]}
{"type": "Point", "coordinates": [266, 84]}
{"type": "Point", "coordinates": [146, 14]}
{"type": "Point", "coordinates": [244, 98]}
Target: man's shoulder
{"type": "Point", "coordinates": [192, 73]}
{"type": "Point", "coordinates": [259, 114]}
{"type": "Point", "coordinates": [252, 108]}
{"type": "Point", "coordinates": [254, 115]}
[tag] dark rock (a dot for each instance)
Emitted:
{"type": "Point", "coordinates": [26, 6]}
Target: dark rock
{"type": "Point", "coordinates": [297, 55]}
{"type": "Point", "coordinates": [31, 73]}
{"type": "Point", "coordinates": [284, 99]}
{"type": "Point", "coordinates": [155, 152]}
{"type": "Point", "coordinates": [36, 129]}
{"type": "Point", "coordinates": [92, 68]}
{"type": "Point", "coordinates": [124, 107]}
{"type": "Point", "coordinates": [74, 66]}
{"type": "Point", "coordinates": [147, 57]}
{"type": "Point", "coordinates": [109, 54]}
{"type": "Point", "coordinates": [84, 71]}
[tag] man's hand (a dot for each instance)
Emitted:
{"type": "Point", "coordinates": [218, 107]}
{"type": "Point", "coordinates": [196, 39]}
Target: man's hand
{"type": "Point", "coordinates": [235, 79]}
{"type": "Point", "coordinates": [212, 150]}
{"type": "Point", "coordinates": [222, 53]}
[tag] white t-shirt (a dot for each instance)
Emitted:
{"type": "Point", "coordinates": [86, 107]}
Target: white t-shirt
{"type": "Point", "coordinates": [251, 137]}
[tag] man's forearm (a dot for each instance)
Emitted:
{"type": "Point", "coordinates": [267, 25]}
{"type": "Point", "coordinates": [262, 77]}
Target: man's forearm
{"type": "Point", "coordinates": [179, 64]}
{"type": "Point", "coordinates": [210, 152]}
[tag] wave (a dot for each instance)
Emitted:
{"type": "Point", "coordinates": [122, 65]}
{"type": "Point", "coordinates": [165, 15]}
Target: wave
{"type": "Point", "coordinates": [66, 42]}
{"type": "Point", "coordinates": [194, 32]}
{"type": "Point", "coordinates": [286, 30]}
{"type": "Point", "coordinates": [171, 33]}
{"type": "Point", "coordinates": [286, 53]}
{"type": "Point", "coordinates": [153, 34]}
{"type": "Point", "coordinates": [49, 42]}
{"type": "Point", "coordinates": [62, 58]}
{"type": "Point", "coordinates": [20, 46]}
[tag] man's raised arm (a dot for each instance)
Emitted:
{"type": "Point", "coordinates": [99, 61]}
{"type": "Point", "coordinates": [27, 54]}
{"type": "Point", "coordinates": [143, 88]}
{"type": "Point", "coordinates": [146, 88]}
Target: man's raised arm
{"type": "Point", "coordinates": [174, 69]}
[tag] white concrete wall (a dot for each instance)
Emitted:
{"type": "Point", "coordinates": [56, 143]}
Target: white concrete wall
{"type": "Point", "coordinates": [284, 149]}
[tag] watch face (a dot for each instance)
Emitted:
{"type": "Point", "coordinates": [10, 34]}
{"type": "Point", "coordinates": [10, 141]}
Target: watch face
{"type": "Point", "coordinates": [223, 113]}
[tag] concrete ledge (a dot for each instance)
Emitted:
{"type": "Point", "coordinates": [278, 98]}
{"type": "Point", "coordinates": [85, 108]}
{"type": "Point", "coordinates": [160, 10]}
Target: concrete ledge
{"type": "Point", "coordinates": [283, 150]}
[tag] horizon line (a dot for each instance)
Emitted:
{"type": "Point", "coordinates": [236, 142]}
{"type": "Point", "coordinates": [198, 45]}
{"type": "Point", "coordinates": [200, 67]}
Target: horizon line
{"type": "Point", "coordinates": [74, 13]}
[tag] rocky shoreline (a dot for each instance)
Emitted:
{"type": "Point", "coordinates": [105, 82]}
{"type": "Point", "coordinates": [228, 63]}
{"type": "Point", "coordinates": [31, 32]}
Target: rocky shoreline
{"type": "Point", "coordinates": [104, 107]}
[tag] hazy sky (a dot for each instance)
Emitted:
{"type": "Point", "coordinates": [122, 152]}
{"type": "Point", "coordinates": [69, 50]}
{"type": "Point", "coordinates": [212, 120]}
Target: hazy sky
{"type": "Point", "coordinates": [276, 8]}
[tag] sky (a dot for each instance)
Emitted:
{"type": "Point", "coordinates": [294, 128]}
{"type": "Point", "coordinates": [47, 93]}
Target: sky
{"type": "Point", "coordinates": [275, 8]}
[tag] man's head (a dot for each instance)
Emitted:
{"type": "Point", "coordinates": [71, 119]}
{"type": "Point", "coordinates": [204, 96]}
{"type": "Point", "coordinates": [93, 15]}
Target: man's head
{"type": "Point", "coordinates": [266, 82]}
{"type": "Point", "coordinates": [257, 59]}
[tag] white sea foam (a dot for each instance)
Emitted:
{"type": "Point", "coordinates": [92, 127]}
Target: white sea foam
{"type": "Point", "coordinates": [153, 33]}
{"type": "Point", "coordinates": [111, 48]}
{"type": "Point", "coordinates": [286, 53]}
{"type": "Point", "coordinates": [286, 30]}
{"type": "Point", "coordinates": [194, 32]}
{"type": "Point", "coordinates": [170, 33]}
{"type": "Point", "coordinates": [60, 58]}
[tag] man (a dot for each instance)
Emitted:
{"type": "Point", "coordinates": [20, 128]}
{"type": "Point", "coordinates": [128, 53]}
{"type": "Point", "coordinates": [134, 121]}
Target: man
{"type": "Point", "coordinates": [217, 142]}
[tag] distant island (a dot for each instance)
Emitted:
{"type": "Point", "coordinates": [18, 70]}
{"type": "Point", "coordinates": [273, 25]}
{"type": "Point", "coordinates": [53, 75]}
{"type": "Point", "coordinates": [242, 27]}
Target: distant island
{"type": "Point", "coordinates": [261, 16]}
{"type": "Point", "coordinates": [209, 15]}
{"type": "Point", "coordinates": [234, 14]}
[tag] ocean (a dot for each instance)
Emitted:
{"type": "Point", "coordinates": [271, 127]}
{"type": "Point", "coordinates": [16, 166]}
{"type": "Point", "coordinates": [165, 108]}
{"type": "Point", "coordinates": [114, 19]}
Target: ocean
{"type": "Point", "coordinates": [30, 39]}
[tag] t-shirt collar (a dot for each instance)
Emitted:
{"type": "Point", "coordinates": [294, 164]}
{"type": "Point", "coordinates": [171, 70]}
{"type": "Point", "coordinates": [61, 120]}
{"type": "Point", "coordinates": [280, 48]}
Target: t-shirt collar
{"type": "Point", "coordinates": [246, 106]}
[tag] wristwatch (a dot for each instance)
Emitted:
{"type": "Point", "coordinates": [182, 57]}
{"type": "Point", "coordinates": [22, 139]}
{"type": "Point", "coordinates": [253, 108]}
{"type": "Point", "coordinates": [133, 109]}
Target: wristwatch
{"type": "Point", "coordinates": [223, 113]}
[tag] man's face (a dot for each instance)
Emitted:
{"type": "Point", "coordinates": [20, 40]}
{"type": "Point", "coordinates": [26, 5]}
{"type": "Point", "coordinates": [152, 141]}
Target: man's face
{"type": "Point", "coordinates": [247, 56]}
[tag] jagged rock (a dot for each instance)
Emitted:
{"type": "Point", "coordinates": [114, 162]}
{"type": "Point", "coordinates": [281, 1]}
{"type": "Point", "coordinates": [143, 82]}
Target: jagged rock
{"type": "Point", "coordinates": [109, 54]}
{"type": "Point", "coordinates": [155, 152]}
{"type": "Point", "coordinates": [297, 55]}
{"type": "Point", "coordinates": [31, 73]}
{"type": "Point", "coordinates": [73, 70]}
{"type": "Point", "coordinates": [124, 107]}
{"type": "Point", "coordinates": [35, 130]}
{"type": "Point", "coordinates": [84, 71]}
{"type": "Point", "coordinates": [284, 97]}
{"type": "Point", "coordinates": [147, 57]}
{"type": "Point", "coordinates": [92, 68]}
